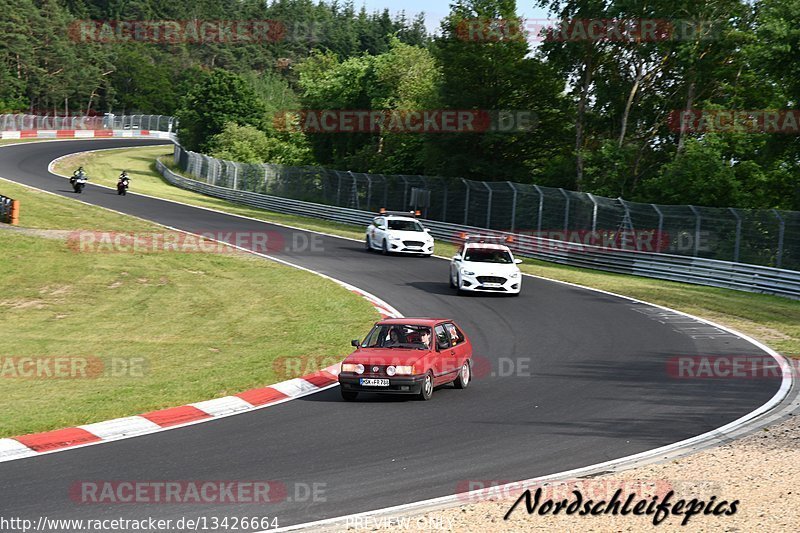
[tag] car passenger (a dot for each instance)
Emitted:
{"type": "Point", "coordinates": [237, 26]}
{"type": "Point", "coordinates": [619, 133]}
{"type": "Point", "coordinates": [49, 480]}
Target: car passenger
{"type": "Point", "coordinates": [393, 338]}
{"type": "Point", "coordinates": [426, 338]}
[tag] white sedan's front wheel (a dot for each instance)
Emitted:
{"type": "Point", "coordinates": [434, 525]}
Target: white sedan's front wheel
{"type": "Point", "coordinates": [459, 289]}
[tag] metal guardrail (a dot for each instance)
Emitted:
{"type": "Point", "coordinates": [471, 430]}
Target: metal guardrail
{"type": "Point", "coordinates": [739, 276]}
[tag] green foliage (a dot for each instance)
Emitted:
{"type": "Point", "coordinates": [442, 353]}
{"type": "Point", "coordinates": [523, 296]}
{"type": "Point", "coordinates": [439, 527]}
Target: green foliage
{"type": "Point", "coordinates": [143, 84]}
{"type": "Point", "coordinates": [247, 144]}
{"type": "Point", "coordinates": [496, 75]}
{"type": "Point", "coordinates": [700, 176]}
{"type": "Point", "coordinates": [218, 99]}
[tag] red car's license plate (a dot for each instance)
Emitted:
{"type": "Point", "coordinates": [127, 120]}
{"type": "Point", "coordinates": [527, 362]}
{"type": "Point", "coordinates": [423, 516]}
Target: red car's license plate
{"type": "Point", "coordinates": [369, 382]}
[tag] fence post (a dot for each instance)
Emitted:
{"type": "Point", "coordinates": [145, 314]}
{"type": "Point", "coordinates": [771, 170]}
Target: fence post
{"type": "Point", "coordinates": [738, 241]}
{"type": "Point", "coordinates": [781, 231]}
{"type": "Point", "coordinates": [541, 207]}
{"type": "Point", "coordinates": [14, 212]}
{"type": "Point", "coordinates": [566, 209]}
{"type": "Point", "coordinates": [628, 218]}
{"type": "Point", "coordinates": [369, 192]}
{"type": "Point", "coordinates": [594, 211]}
{"type": "Point", "coordinates": [513, 205]}
{"type": "Point", "coordinates": [466, 200]}
{"type": "Point", "coordinates": [660, 227]}
{"type": "Point", "coordinates": [355, 189]}
{"type": "Point", "coordinates": [696, 228]}
{"type": "Point", "coordinates": [488, 207]}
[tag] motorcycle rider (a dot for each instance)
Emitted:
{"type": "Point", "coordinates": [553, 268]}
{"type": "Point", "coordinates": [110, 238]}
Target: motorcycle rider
{"type": "Point", "coordinates": [122, 183]}
{"type": "Point", "coordinates": [76, 175]}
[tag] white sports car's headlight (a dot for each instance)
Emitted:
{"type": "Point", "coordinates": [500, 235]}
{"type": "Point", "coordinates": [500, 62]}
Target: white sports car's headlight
{"type": "Point", "coordinates": [466, 272]}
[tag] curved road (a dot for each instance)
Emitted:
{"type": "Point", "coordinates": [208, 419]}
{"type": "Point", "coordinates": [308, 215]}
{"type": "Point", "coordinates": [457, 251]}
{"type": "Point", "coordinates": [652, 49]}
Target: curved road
{"type": "Point", "coordinates": [597, 389]}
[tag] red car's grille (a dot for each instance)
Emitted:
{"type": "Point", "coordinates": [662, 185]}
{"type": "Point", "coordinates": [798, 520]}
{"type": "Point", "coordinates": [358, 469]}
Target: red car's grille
{"type": "Point", "coordinates": [369, 370]}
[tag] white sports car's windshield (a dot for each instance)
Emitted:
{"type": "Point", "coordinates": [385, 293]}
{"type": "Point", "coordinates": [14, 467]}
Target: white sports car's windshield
{"type": "Point", "coordinates": [488, 256]}
{"type": "Point", "coordinates": [398, 336]}
{"type": "Point", "coordinates": [405, 225]}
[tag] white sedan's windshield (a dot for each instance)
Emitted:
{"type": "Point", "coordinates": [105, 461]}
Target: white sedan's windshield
{"type": "Point", "coordinates": [405, 225]}
{"type": "Point", "coordinates": [488, 256]}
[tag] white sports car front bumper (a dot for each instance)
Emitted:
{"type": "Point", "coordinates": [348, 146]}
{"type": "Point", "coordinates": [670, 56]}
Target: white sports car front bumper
{"type": "Point", "coordinates": [410, 246]}
{"type": "Point", "coordinates": [481, 283]}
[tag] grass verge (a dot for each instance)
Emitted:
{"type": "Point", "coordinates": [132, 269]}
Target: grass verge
{"type": "Point", "coordinates": [150, 330]}
{"type": "Point", "coordinates": [771, 319]}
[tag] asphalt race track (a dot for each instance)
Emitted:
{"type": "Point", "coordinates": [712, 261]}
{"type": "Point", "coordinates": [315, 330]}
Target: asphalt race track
{"type": "Point", "coordinates": [598, 389]}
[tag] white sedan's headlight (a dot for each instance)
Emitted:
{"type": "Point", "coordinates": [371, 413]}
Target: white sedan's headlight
{"type": "Point", "coordinates": [394, 238]}
{"type": "Point", "coordinates": [515, 275]}
{"type": "Point", "coordinates": [466, 272]}
{"type": "Point", "coordinates": [350, 367]}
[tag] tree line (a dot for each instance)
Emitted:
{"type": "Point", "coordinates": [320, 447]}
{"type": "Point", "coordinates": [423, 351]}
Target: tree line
{"type": "Point", "coordinates": [607, 107]}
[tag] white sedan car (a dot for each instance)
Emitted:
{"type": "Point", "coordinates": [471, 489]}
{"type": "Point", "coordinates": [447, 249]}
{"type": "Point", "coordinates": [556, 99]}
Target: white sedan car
{"type": "Point", "coordinates": [484, 265]}
{"type": "Point", "coordinates": [394, 232]}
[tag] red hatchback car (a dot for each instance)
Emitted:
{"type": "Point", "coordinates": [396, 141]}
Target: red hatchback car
{"type": "Point", "coordinates": [408, 356]}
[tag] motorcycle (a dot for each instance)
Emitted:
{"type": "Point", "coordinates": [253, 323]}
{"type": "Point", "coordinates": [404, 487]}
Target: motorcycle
{"type": "Point", "coordinates": [78, 182]}
{"type": "Point", "coordinates": [122, 185]}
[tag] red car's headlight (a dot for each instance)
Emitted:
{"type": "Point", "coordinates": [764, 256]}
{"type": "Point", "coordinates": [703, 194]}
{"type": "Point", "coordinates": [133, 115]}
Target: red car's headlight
{"type": "Point", "coordinates": [402, 370]}
{"type": "Point", "coordinates": [351, 367]}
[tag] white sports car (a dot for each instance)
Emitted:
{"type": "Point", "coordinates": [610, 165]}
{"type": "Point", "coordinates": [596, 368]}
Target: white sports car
{"type": "Point", "coordinates": [394, 232]}
{"type": "Point", "coordinates": [484, 265]}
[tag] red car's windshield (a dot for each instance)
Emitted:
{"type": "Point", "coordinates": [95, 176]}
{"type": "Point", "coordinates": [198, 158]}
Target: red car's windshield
{"type": "Point", "coordinates": [399, 336]}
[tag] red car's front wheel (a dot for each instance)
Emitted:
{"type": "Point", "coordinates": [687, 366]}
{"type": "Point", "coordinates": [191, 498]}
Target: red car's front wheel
{"type": "Point", "coordinates": [426, 391]}
{"type": "Point", "coordinates": [464, 376]}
